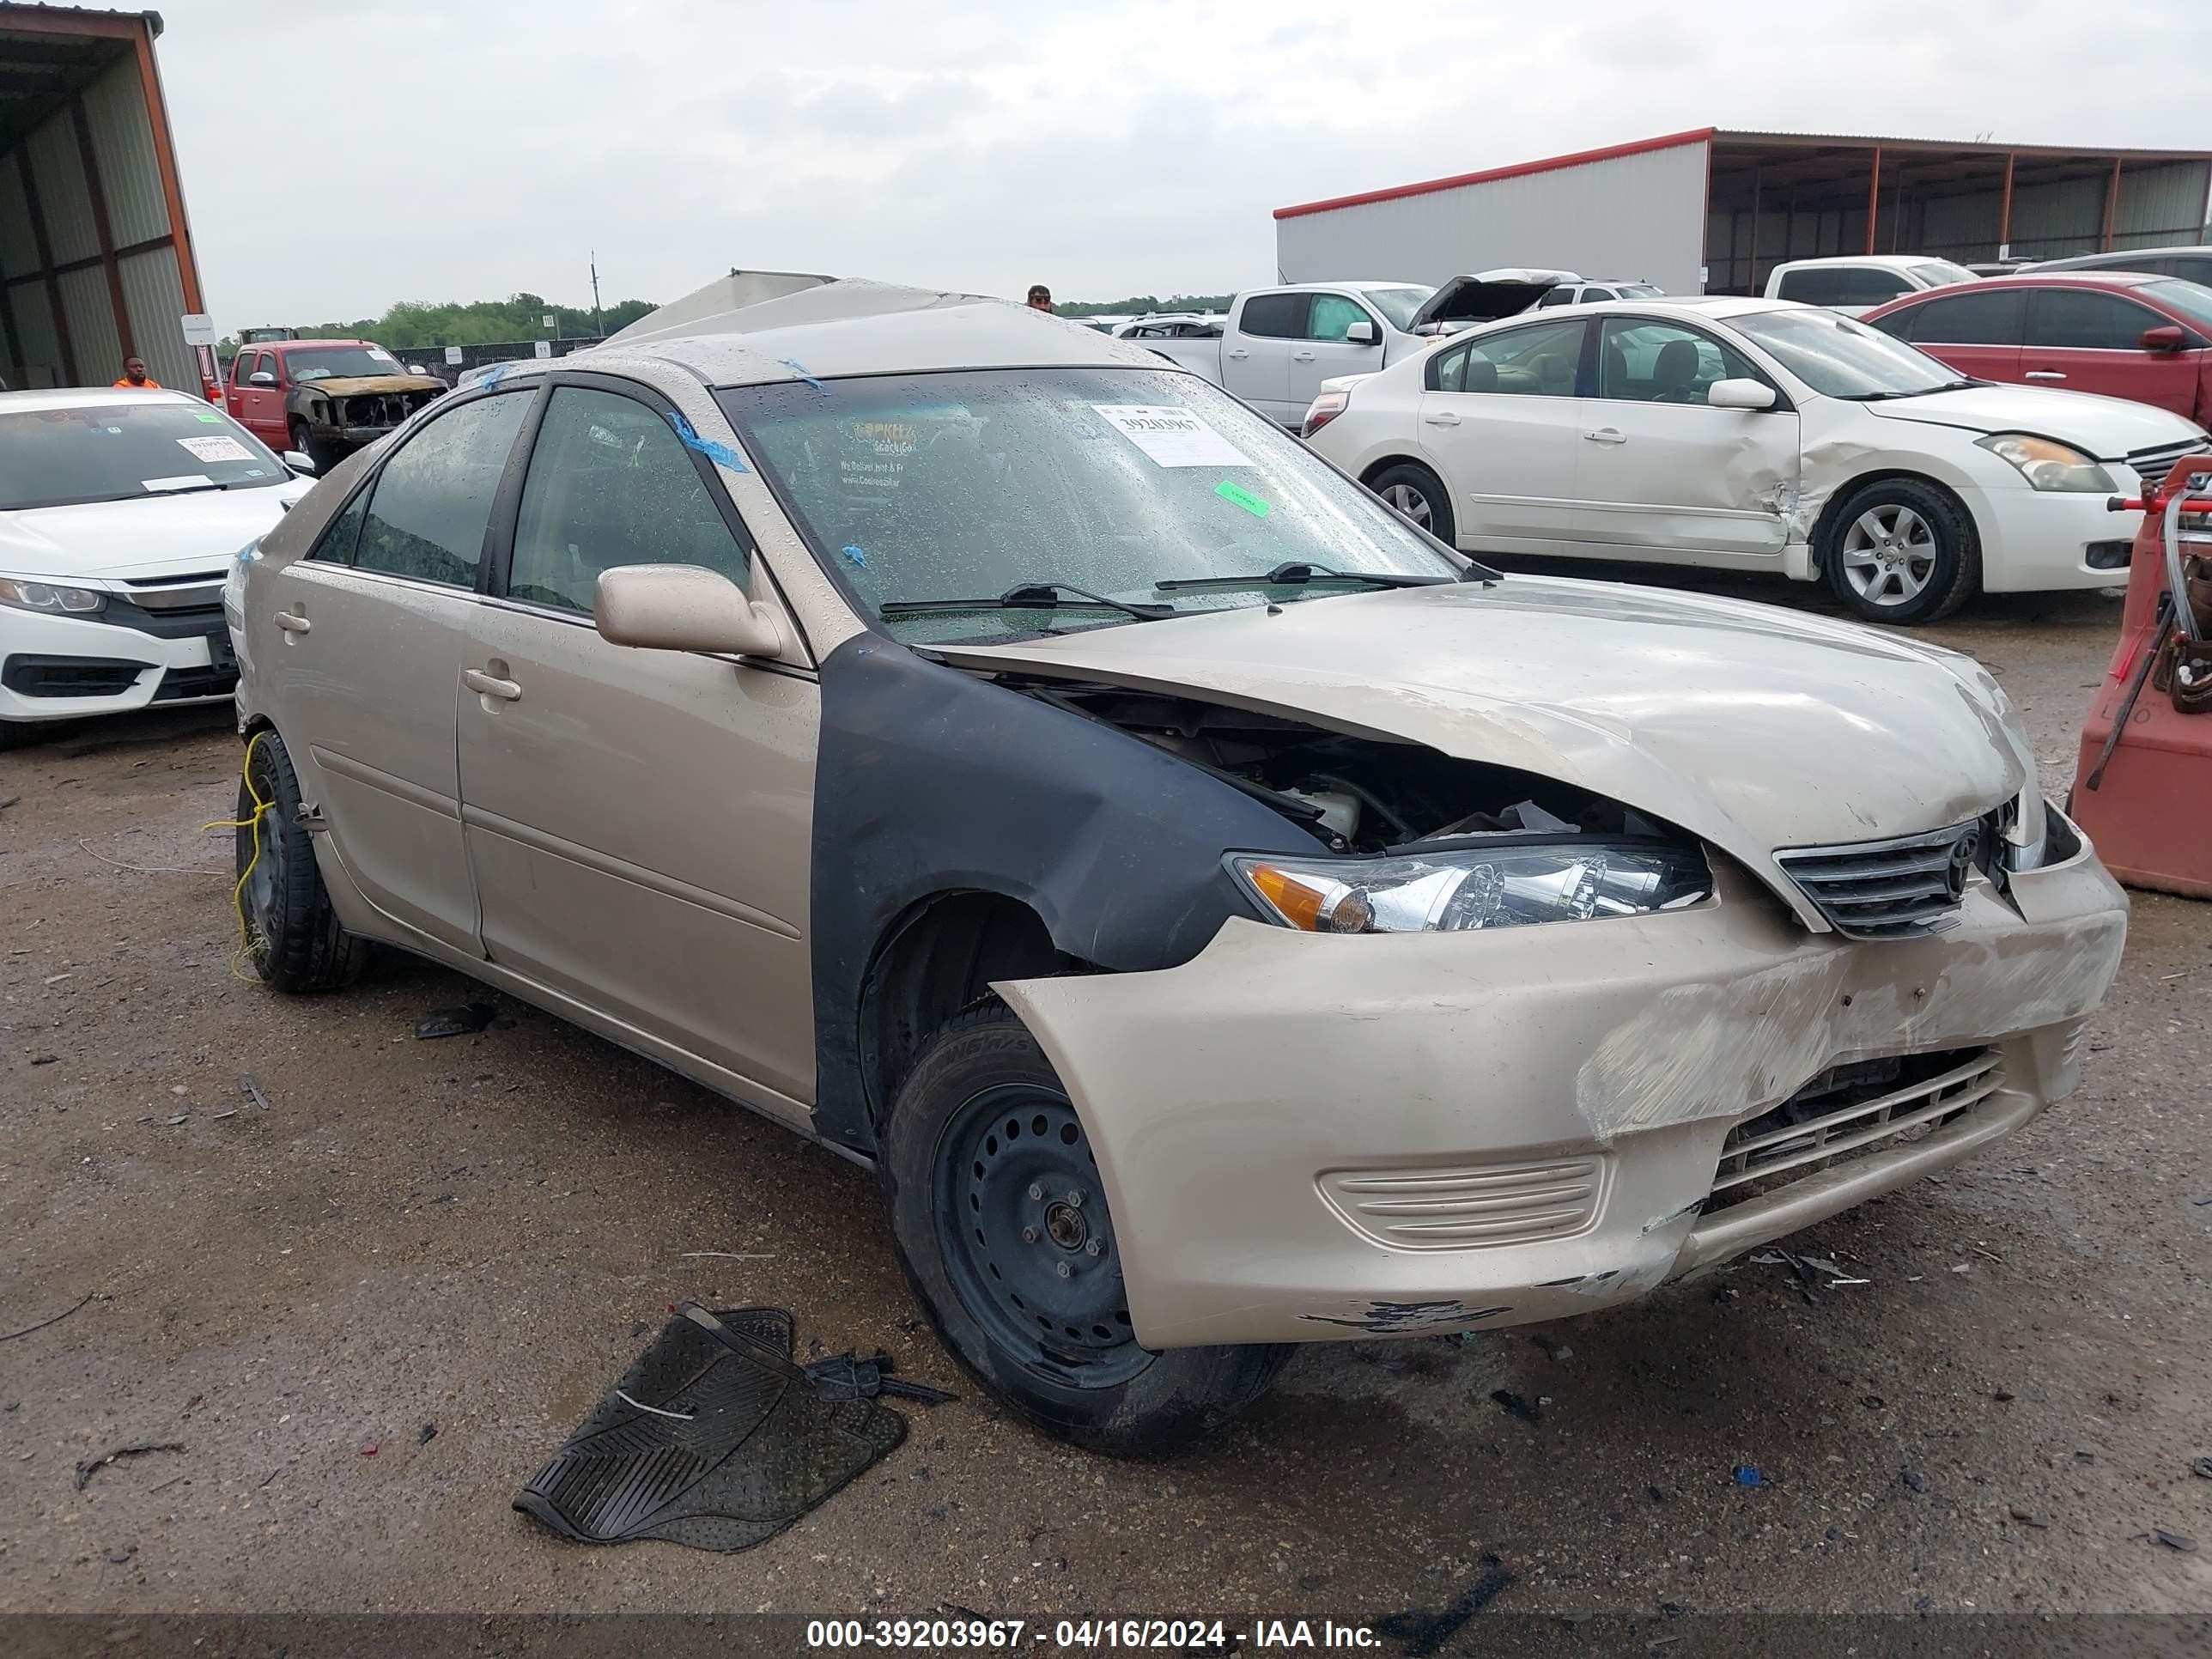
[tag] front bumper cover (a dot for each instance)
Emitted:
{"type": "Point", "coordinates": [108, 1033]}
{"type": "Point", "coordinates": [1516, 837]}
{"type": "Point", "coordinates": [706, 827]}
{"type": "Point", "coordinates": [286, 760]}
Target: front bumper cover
{"type": "Point", "coordinates": [1232, 1101]}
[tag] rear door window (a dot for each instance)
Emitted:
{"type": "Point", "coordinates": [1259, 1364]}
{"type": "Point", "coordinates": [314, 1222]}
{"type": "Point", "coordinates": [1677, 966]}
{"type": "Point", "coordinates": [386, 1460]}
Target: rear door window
{"type": "Point", "coordinates": [1815, 285]}
{"type": "Point", "coordinates": [1276, 316]}
{"type": "Point", "coordinates": [1540, 360]}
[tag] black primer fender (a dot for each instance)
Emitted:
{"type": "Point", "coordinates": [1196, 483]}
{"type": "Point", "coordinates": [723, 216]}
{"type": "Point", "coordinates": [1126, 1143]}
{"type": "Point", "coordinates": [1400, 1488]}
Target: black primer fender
{"type": "Point", "coordinates": [930, 781]}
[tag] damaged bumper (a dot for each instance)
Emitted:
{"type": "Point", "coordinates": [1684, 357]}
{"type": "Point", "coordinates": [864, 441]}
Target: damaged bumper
{"type": "Point", "coordinates": [1307, 1137]}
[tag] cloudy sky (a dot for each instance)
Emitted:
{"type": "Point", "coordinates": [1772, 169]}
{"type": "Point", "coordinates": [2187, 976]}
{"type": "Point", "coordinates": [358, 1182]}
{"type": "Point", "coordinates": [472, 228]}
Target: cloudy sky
{"type": "Point", "coordinates": [339, 156]}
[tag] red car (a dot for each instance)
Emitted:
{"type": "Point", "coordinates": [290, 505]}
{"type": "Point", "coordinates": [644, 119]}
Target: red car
{"type": "Point", "coordinates": [2143, 337]}
{"type": "Point", "coordinates": [324, 398]}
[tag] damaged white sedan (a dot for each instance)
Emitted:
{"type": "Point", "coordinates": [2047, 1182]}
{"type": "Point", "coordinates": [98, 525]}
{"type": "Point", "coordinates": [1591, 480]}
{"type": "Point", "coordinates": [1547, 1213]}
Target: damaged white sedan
{"type": "Point", "coordinates": [1223, 917]}
{"type": "Point", "coordinates": [1751, 435]}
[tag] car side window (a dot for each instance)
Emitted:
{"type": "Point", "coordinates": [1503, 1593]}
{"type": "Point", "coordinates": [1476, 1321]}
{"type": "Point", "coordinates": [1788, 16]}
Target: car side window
{"type": "Point", "coordinates": [1275, 316]}
{"type": "Point", "coordinates": [1649, 362]}
{"type": "Point", "coordinates": [241, 366]}
{"type": "Point", "coordinates": [1869, 285]}
{"type": "Point", "coordinates": [1331, 314]}
{"type": "Point", "coordinates": [1995, 318]}
{"type": "Point", "coordinates": [1447, 370]}
{"type": "Point", "coordinates": [1539, 361]}
{"type": "Point", "coordinates": [610, 484]}
{"type": "Point", "coordinates": [1814, 285]}
{"type": "Point", "coordinates": [1593, 296]}
{"type": "Point", "coordinates": [2085, 319]}
{"type": "Point", "coordinates": [430, 504]}
{"type": "Point", "coordinates": [1556, 296]}
{"type": "Point", "coordinates": [2193, 268]}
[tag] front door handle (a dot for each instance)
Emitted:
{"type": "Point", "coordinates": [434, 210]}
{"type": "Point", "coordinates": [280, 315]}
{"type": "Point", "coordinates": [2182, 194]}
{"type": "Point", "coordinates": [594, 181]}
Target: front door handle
{"type": "Point", "coordinates": [1240, 354]}
{"type": "Point", "coordinates": [2044, 375]}
{"type": "Point", "coordinates": [1605, 434]}
{"type": "Point", "coordinates": [1442, 417]}
{"type": "Point", "coordinates": [290, 623]}
{"type": "Point", "coordinates": [477, 681]}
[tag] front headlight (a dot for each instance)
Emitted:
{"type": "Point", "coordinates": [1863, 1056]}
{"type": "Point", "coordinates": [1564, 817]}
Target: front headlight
{"type": "Point", "coordinates": [2049, 465]}
{"type": "Point", "coordinates": [50, 598]}
{"type": "Point", "coordinates": [1482, 887]}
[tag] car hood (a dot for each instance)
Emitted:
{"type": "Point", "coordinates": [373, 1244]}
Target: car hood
{"type": "Point", "coordinates": [355, 386]}
{"type": "Point", "coordinates": [1752, 728]}
{"type": "Point", "coordinates": [144, 535]}
{"type": "Point", "coordinates": [2108, 427]}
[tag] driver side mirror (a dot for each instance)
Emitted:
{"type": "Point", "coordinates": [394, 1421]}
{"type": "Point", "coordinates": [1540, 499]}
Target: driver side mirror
{"type": "Point", "coordinates": [1360, 333]}
{"type": "Point", "coordinates": [1740, 394]}
{"type": "Point", "coordinates": [296, 462]}
{"type": "Point", "coordinates": [682, 607]}
{"type": "Point", "coordinates": [261, 377]}
{"type": "Point", "coordinates": [2167, 336]}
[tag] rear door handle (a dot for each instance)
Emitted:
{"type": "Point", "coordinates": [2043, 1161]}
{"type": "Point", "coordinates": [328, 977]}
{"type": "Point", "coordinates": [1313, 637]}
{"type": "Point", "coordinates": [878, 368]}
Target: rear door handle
{"type": "Point", "coordinates": [1442, 417]}
{"type": "Point", "coordinates": [1302, 356]}
{"type": "Point", "coordinates": [480, 682]}
{"type": "Point", "coordinates": [290, 623]}
{"type": "Point", "coordinates": [1605, 434]}
{"type": "Point", "coordinates": [2044, 375]}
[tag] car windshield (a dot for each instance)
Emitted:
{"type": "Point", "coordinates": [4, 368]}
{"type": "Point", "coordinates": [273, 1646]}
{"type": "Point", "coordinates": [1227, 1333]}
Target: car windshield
{"type": "Point", "coordinates": [341, 363]}
{"type": "Point", "coordinates": [1397, 305]}
{"type": "Point", "coordinates": [123, 450]}
{"type": "Point", "coordinates": [1940, 273]}
{"type": "Point", "coordinates": [1840, 358]}
{"type": "Point", "coordinates": [2193, 300]}
{"type": "Point", "coordinates": [967, 485]}
{"type": "Point", "coordinates": [1641, 291]}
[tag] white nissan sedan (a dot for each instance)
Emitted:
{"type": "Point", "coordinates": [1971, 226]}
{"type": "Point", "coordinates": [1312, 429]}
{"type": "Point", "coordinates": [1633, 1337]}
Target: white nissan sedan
{"type": "Point", "coordinates": [120, 510]}
{"type": "Point", "coordinates": [1751, 435]}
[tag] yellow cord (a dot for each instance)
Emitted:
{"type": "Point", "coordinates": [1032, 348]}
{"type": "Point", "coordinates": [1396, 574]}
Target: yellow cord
{"type": "Point", "coordinates": [238, 894]}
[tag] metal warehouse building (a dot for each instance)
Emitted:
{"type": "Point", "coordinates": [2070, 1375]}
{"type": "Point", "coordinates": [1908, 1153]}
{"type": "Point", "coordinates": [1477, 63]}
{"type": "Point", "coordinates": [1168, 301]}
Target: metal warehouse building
{"type": "Point", "coordinates": [95, 258]}
{"type": "Point", "coordinates": [1713, 211]}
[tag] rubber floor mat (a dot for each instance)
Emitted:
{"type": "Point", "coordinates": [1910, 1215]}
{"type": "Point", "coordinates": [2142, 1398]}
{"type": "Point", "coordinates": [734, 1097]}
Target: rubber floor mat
{"type": "Point", "coordinates": [716, 1438]}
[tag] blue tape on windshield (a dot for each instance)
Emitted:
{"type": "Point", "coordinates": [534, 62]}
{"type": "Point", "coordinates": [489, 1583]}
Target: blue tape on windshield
{"type": "Point", "coordinates": [858, 556]}
{"type": "Point", "coordinates": [721, 453]}
{"type": "Point", "coordinates": [799, 370]}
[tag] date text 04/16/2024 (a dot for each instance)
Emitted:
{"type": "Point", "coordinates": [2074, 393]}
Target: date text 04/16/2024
{"type": "Point", "coordinates": [1088, 1635]}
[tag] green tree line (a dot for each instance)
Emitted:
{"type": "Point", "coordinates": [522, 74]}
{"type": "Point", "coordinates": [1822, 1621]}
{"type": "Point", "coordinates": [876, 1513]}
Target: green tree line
{"type": "Point", "coordinates": [1137, 304]}
{"type": "Point", "coordinates": [412, 324]}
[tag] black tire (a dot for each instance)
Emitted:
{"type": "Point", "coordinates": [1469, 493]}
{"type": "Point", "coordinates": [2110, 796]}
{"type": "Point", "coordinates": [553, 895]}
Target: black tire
{"type": "Point", "coordinates": [292, 935]}
{"type": "Point", "coordinates": [1418, 496]}
{"type": "Point", "coordinates": [1101, 1391]}
{"type": "Point", "coordinates": [1901, 551]}
{"type": "Point", "coordinates": [321, 454]}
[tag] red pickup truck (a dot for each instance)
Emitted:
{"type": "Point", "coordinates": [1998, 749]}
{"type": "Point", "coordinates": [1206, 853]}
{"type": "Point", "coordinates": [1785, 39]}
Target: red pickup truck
{"type": "Point", "coordinates": [324, 398]}
{"type": "Point", "coordinates": [2144, 337]}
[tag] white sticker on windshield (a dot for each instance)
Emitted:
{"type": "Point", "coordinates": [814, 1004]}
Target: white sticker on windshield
{"type": "Point", "coordinates": [182, 481]}
{"type": "Point", "coordinates": [1172, 435]}
{"type": "Point", "coordinates": [216, 449]}
{"type": "Point", "coordinates": [381, 354]}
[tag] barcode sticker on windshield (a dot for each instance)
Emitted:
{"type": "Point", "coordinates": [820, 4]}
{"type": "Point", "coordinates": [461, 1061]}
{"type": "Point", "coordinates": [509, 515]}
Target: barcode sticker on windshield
{"type": "Point", "coordinates": [1172, 435]}
{"type": "Point", "coordinates": [215, 449]}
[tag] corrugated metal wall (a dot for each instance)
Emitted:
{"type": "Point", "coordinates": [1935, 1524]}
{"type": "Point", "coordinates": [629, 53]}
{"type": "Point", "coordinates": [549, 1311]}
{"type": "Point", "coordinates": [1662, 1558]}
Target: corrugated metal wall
{"type": "Point", "coordinates": [122, 132]}
{"type": "Point", "coordinates": [1628, 216]}
{"type": "Point", "coordinates": [2161, 205]}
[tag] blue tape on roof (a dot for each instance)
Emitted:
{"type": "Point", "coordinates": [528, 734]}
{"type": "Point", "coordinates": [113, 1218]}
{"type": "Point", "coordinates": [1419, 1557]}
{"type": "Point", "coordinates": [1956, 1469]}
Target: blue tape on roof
{"type": "Point", "coordinates": [721, 453]}
{"type": "Point", "coordinates": [492, 377]}
{"type": "Point", "coordinates": [799, 370]}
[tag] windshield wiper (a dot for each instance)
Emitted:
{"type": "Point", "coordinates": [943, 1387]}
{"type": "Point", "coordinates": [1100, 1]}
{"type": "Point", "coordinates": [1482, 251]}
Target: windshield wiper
{"type": "Point", "coordinates": [1888, 392]}
{"type": "Point", "coordinates": [1029, 596]}
{"type": "Point", "coordinates": [1298, 573]}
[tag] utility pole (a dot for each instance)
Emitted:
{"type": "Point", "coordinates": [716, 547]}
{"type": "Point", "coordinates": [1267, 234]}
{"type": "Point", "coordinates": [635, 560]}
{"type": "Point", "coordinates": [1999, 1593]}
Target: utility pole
{"type": "Point", "coordinates": [599, 325]}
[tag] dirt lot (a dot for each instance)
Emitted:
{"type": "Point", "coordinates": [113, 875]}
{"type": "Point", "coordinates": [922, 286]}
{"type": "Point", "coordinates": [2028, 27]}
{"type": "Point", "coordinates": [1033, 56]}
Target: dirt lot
{"type": "Point", "coordinates": [476, 1234]}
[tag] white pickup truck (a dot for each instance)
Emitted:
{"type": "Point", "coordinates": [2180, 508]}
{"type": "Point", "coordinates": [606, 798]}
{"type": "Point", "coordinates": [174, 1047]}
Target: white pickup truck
{"type": "Point", "coordinates": [1280, 344]}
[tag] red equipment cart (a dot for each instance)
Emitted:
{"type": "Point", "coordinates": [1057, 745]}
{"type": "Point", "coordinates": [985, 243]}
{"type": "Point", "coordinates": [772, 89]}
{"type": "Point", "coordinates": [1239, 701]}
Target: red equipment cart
{"type": "Point", "coordinates": [2143, 787]}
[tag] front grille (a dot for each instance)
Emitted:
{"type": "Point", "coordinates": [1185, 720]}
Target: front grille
{"type": "Point", "coordinates": [29, 676]}
{"type": "Point", "coordinates": [1887, 889]}
{"type": "Point", "coordinates": [2152, 465]}
{"type": "Point", "coordinates": [180, 684]}
{"type": "Point", "coordinates": [1470, 1207]}
{"type": "Point", "coordinates": [201, 591]}
{"type": "Point", "coordinates": [1848, 1111]}
{"type": "Point", "coordinates": [381, 407]}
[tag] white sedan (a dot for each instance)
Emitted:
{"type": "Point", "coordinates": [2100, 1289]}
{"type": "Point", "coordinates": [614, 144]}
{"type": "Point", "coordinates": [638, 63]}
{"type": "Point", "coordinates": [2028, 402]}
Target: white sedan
{"type": "Point", "coordinates": [120, 511]}
{"type": "Point", "coordinates": [1751, 435]}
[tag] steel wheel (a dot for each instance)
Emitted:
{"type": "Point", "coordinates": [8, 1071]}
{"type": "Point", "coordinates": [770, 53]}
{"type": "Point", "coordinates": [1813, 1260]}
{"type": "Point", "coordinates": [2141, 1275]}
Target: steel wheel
{"type": "Point", "coordinates": [1411, 502]}
{"type": "Point", "coordinates": [1023, 1233]}
{"type": "Point", "coordinates": [1889, 555]}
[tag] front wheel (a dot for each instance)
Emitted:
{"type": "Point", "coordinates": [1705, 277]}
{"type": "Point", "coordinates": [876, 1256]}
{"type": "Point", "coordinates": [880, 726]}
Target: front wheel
{"type": "Point", "coordinates": [1901, 551]}
{"type": "Point", "coordinates": [1418, 496]}
{"type": "Point", "coordinates": [291, 933]}
{"type": "Point", "coordinates": [1001, 1223]}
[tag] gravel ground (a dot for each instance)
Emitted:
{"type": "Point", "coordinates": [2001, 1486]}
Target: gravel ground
{"type": "Point", "coordinates": [476, 1235]}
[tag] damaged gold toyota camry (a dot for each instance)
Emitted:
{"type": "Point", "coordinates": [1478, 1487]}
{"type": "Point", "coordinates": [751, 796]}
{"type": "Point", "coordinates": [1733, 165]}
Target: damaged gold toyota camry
{"type": "Point", "coordinates": [1224, 917]}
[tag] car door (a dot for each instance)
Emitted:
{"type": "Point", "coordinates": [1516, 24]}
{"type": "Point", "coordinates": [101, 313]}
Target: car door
{"type": "Point", "coordinates": [1979, 332]}
{"type": "Point", "coordinates": [1501, 424]}
{"type": "Point", "coordinates": [264, 404]}
{"type": "Point", "coordinates": [638, 821]}
{"type": "Point", "coordinates": [1666, 475]}
{"type": "Point", "coordinates": [1325, 352]}
{"type": "Point", "coordinates": [372, 626]}
{"type": "Point", "coordinates": [241, 394]}
{"type": "Point", "coordinates": [1255, 353]}
{"type": "Point", "coordinates": [2085, 339]}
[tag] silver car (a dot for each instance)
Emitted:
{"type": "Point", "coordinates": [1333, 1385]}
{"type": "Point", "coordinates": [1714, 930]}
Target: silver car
{"type": "Point", "coordinates": [1223, 916]}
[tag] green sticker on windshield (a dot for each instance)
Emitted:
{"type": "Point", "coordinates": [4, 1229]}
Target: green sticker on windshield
{"type": "Point", "coordinates": [211, 419]}
{"type": "Point", "coordinates": [1236, 496]}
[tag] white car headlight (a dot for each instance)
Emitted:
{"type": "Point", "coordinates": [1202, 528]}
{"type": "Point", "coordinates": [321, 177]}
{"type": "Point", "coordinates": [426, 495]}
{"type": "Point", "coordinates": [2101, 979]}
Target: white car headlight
{"type": "Point", "coordinates": [50, 598]}
{"type": "Point", "coordinates": [2049, 465]}
{"type": "Point", "coordinates": [1463, 889]}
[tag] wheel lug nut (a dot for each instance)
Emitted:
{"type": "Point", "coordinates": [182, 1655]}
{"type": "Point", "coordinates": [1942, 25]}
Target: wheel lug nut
{"type": "Point", "coordinates": [1075, 1199]}
{"type": "Point", "coordinates": [1094, 1248]}
{"type": "Point", "coordinates": [1064, 1270]}
{"type": "Point", "coordinates": [1029, 1235]}
{"type": "Point", "coordinates": [1036, 1192]}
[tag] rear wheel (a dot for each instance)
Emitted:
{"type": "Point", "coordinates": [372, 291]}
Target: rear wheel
{"type": "Point", "coordinates": [292, 935]}
{"type": "Point", "coordinates": [1001, 1223]}
{"type": "Point", "coordinates": [1901, 551]}
{"type": "Point", "coordinates": [1418, 496]}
